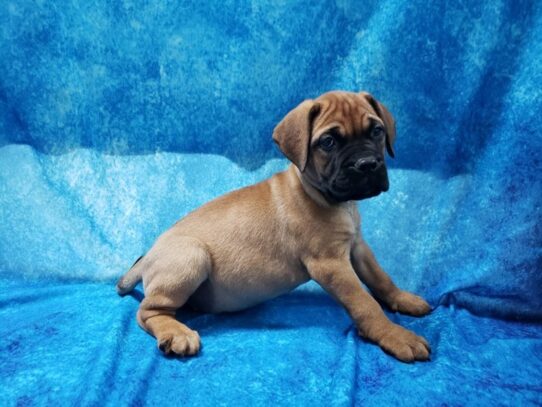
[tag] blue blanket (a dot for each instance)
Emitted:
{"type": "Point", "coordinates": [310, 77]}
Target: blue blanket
{"type": "Point", "coordinates": [119, 117]}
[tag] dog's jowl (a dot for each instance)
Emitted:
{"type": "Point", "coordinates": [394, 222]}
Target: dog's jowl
{"type": "Point", "coordinates": [264, 240]}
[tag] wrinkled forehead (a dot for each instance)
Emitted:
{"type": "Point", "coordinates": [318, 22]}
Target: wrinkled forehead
{"type": "Point", "coordinates": [349, 112]}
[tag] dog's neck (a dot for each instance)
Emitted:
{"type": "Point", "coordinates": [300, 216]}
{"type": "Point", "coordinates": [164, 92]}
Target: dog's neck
{"type": "Point", "coordinates": [314, 193]}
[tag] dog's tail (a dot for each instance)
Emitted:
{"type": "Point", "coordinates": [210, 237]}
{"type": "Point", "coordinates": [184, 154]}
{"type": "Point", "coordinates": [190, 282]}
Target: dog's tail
{"type": "Point", "coordinates": [128, 281]}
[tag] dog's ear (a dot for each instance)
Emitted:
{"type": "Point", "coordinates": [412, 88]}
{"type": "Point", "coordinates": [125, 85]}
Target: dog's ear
{"type": "Point", "coordinates": [386, 117]}
{"type": "Point", "coordinates": [293, 133]}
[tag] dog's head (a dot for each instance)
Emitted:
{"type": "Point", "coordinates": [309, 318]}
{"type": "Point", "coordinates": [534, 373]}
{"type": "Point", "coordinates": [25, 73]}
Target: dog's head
{"type": "Point", "coordinates": [338, 141]}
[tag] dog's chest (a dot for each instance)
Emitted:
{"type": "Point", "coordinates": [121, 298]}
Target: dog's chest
{"type": "Point", "coordinates": [333, 230]}
{"type": "Point", "coordinates": [353, 216]}
{"type": "Point", "coordinates": [345, 222]}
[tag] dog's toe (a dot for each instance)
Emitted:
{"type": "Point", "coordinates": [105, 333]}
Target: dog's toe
{"type": "Point", "coordinates": [420, 351]}
{"type": "Point", "coordinates": [405, 345]}
{"type": "Point", "coordinates": [410, 304]}
{"type": "Point", "coordinates": [164, 344]}
{"type": "Point", "coordinates": [185, 343]}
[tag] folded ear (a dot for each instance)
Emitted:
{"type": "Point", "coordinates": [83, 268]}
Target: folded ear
{"type": "Point", "coordinates": [387, 118]}
{"type": "Point", "coordinates": [293, 133]}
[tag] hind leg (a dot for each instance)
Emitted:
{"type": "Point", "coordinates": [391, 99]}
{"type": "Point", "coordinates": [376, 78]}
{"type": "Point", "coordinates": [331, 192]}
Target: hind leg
{"type": "Point", "coordinates": [174, 269]}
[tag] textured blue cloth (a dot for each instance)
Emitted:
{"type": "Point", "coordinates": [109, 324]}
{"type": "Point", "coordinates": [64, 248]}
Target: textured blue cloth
{"type": "Point", "coordinates": [119, 117]}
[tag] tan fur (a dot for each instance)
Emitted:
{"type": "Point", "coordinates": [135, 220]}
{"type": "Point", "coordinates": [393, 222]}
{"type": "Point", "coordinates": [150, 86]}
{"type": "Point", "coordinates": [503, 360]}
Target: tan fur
{"type": "Point", "coordinates": [264, 240]}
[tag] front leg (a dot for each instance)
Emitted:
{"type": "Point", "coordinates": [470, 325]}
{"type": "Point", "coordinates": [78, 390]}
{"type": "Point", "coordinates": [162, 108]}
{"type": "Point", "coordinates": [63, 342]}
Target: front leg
{"type": "Point", "coordinates": [372, 275]}
{"type": "Point", "coordinates": [338, 278]}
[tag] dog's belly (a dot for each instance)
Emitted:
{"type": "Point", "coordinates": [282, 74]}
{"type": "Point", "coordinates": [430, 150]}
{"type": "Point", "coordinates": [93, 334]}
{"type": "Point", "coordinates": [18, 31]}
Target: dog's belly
{"type": "Point", "coordinates": [232, 289]}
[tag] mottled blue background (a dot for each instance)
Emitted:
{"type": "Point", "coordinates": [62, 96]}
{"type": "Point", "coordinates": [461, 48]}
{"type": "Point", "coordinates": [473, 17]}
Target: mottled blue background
{"type": "Point", "coordinates": [119, 117]}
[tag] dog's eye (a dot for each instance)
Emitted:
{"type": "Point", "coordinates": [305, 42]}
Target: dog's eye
{"type": "Point", "coordinates": [327, 142]}
{"type": "Point", "coordinates": [377, 132]}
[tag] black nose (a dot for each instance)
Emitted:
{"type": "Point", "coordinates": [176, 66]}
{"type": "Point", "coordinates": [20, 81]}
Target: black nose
{"type": "Point", "coordinates": [368, 164]}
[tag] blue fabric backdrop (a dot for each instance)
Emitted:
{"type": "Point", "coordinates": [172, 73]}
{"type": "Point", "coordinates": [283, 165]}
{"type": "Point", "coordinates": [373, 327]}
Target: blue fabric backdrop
{"type": "Point", "coordinates": [119, 117]}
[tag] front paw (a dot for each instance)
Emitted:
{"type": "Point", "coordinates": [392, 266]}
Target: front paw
{"type": "Point", "coordinates": [403, 344]}
{"type": "Point", "coordinates": [410, 304]}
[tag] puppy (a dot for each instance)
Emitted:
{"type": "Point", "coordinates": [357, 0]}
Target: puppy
{"type": "Point", "coordinates": [264, 240]}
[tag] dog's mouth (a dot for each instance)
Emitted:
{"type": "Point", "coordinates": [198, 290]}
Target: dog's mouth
{"type": "Point", "coordinates": [355, 195]}
{"type": "Point", "coordinates": [346, 187]}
